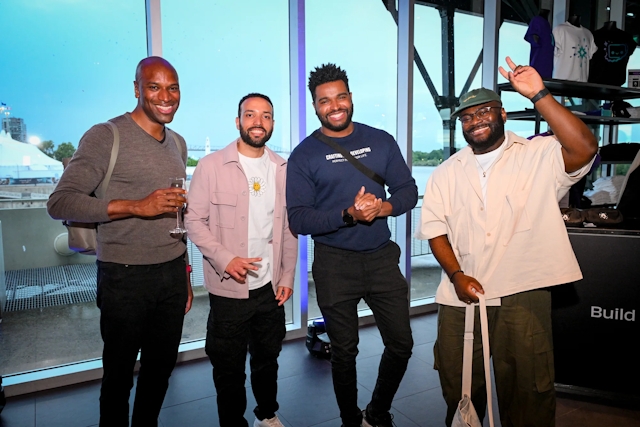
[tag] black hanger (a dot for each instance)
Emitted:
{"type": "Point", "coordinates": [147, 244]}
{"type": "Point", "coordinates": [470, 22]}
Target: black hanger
{"type": "Point", "coordinates": [574, 20]}
{"type": "Point", "coordinates": [610, 25]}
{"type": "Point", "coordinates": [544, 13]}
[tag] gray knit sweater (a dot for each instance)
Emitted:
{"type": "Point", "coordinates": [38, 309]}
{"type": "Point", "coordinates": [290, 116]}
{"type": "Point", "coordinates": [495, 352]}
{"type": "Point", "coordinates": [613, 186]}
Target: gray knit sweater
{"type": "Point", "coordinates": [143, 166]}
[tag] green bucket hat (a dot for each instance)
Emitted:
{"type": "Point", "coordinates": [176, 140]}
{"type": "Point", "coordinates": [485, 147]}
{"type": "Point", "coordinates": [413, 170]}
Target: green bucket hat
{"type": "Point", "coordinates": [475, 97]}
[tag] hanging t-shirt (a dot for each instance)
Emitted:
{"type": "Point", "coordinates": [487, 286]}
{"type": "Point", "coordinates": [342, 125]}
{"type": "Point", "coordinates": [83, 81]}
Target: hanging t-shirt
{"type": "Point", "coordinates": [574, 47]}
{"type": "Point", "coordinates": [541, 57]}
{"type": "Point", "coordinates": [609, 64]}
{"type": "Point", "coordinates": [261, 179]}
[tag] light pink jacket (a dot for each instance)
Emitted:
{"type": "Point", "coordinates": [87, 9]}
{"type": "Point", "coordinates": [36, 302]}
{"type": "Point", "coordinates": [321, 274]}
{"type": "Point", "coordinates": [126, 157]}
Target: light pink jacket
{"type": "Point", "coordinates": [217, 221]}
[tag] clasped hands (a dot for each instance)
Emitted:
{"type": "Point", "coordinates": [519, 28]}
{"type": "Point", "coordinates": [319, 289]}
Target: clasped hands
{"type": "Point", "coordinates": [366, 206]}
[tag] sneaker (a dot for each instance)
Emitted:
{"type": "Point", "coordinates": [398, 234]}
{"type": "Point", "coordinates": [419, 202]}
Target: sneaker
{"type": "Point", "coordinates": [385, 420]}
{"type": "Point", "coordinates": [268, 422]}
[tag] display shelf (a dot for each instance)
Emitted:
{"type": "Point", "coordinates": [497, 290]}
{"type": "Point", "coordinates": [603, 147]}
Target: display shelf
{"type": "Point", "coordinates": [531, 115]}
{"type": "Point", "coordinates": [583, 90]}
{"type": "Point", "coordinates": [592, 91]}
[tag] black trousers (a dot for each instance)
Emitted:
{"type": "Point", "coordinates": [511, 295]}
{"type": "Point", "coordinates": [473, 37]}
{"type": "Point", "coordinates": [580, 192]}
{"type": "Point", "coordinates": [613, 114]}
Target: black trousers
{"type": "Point", "coordinates": [141, 309]}
{"type": "Point", "coordinates": [234, 324]}
{"type": "Point", "coordinates": [342, 278]}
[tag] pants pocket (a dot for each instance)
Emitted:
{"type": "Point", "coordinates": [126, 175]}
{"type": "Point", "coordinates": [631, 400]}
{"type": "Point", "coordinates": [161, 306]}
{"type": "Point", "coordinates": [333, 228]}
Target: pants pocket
{"type": "Point", "coordinates": [544, 370]}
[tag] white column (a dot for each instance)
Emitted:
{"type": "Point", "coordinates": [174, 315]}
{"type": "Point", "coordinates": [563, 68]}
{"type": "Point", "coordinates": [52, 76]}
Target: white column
{"type": "Point", "coordinates": [154, 28]}
{"type": "Point", "coordinates": [491, 26]}
{"type": "Point", "coordinates": [405, 119]}
{"type": "Point", "coordinates": [298, 116]}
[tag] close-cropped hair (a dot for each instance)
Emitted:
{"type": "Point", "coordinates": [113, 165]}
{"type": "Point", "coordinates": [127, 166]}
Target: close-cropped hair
{"type": "Point", "coordinates": [326, 73]}
{"type": "Point", "coordinates": [254, 95]}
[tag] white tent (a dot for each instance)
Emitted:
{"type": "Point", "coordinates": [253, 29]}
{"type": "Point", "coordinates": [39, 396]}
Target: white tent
{"type": "Point", "coordinates": [20, 162]}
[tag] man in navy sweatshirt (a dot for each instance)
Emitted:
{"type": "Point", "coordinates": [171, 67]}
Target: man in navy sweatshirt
{"type": "Point", "coordinates": [345, 212]}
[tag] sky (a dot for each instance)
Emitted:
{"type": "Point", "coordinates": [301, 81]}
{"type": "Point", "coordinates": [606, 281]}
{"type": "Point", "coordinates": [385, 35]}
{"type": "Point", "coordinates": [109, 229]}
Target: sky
{"type": "Point", "coordinates": [69, 64]}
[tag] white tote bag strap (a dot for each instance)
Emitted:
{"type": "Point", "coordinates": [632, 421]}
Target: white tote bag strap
{"type": "Point", "coordinates": [467, 358]}
{"type": "Point", "coordinates": [484, 326]}
{"type": "Point", "coordinates": [467, 355]}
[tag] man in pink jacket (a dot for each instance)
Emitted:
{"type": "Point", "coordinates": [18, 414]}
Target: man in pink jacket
{"type": "Point", "coordinates": [237, 217]}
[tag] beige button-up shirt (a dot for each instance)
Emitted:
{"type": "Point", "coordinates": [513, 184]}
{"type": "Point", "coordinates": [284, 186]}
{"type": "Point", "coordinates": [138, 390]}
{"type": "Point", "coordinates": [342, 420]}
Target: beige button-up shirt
{"type": "Point", "coordinates": [518, 240]}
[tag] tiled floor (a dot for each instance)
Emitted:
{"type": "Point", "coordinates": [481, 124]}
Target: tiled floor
{"type": "Point", "coordinates": [306, 395]}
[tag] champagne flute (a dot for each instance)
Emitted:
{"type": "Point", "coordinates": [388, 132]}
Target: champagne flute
{"type": "Point", "coordinates": [179, 230]}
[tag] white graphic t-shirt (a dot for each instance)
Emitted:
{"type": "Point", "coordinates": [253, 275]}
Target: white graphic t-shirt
{"type": "Point", "coordinates": [261, 179]}
{"type": "Point", "coordinates": [574, 48]}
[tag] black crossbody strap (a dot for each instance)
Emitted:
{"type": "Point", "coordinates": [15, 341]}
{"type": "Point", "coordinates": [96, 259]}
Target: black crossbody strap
{"type": "Point", "coordinates": [355, 162]}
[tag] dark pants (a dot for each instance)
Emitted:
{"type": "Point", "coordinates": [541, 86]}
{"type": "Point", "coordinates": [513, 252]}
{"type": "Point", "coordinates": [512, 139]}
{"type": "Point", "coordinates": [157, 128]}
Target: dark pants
{"type": "Point", "coordinates": [522, 351]}
{"type": "Point", "coordinates": [342, 278]}
{"type": "Point", "coordinates": [141, 309]}
{"type": "Point", "coordinates": [233, 324]}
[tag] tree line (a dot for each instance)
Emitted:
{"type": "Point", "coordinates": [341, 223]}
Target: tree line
{"type": "Point", "coordinates": [432, 158]}
{"type": "Point", "coordinates": [66, 149]}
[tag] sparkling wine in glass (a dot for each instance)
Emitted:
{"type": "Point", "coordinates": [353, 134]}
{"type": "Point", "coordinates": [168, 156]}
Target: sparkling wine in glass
{"type": "Point", "coordinates": [179, 230]}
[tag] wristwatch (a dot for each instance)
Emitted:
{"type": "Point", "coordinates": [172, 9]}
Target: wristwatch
{"type": "Point", "coordinates": [347, 218]}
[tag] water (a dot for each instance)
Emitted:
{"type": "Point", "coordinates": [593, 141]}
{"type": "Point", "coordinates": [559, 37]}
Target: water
{"type": "Point", "coordinates": [421, 174]}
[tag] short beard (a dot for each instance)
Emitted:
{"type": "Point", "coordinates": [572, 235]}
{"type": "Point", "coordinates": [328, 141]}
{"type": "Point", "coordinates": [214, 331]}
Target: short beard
{"type": "Point", "coordinates": [327, 124]}
{"type": "Point", "coordinates": [497, 132]}
{"type": "Point", "coordinates": [246, 138]}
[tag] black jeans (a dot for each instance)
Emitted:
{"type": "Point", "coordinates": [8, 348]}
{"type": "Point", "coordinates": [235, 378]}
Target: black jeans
{"type": "Point", "coordinates": [342, 278]}
{"type": "Point", "coordinates": [141, 309]}
{"type": "Point", "coordinates": [233, 324]}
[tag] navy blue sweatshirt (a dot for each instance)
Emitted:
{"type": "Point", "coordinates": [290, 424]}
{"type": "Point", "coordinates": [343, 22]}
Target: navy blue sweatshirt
{"type": "Point", "coordinates": [321, 184]}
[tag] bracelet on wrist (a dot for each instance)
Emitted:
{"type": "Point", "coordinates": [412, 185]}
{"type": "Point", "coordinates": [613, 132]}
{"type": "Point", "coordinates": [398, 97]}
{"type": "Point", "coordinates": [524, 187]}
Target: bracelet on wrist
{"type": "Point", "coordinates": [538, 96]}
{"type": "Point", "coordinates": [454, 273]}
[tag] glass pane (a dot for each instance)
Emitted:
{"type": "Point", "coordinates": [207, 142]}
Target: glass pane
{"type": "Point", "coordinates": [468, 44]}
{"type": "Point", "coordinates": [223, 51]}
{"type": "Point", "coordinates": [513, 44]}
{"type": "Point", "coordinates": [366, 48]}
{"type": "Point", "coordinates": [428, 140]}
{"type": "Point", "coordinates": [69, 65]}
{"type": "Point", "coordinates": [429, 133]}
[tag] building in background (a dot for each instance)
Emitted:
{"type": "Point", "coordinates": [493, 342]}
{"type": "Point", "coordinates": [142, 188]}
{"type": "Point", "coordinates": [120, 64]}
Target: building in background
{"type": "Point", "coordinates": [15, 127]}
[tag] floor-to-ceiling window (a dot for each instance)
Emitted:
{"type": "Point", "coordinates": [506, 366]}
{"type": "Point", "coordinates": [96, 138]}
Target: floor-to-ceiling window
{"type": "Point", "coordinates": [224, 51]}
{"type": "Point", "coordinates": [360, 37]}
{"type": "Point", "coordinates": [443, 69]}
{"type": "Point", "coordinates": [65, 66]}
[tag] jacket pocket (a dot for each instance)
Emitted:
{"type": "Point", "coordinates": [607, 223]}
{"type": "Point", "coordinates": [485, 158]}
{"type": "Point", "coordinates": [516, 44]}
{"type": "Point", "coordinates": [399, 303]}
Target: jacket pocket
{"type": "Point", "coordinates": [224, 205]}
{"type": "Point", "coordinates": [459, 231]}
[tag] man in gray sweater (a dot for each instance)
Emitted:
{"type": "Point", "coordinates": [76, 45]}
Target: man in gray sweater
{"type": "Point", "coordinates": [143, 284]}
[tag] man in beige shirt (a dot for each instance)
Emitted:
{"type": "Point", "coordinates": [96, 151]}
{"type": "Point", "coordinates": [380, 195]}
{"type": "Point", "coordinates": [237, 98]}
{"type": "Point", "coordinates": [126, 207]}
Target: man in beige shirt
{"type": "Point", "coordinates": [490, 213]}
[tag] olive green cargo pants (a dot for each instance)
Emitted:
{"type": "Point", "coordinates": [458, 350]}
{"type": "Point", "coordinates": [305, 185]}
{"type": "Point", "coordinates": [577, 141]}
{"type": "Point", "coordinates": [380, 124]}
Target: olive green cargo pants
{"type": "Point", "coordinates": [522, 352]}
